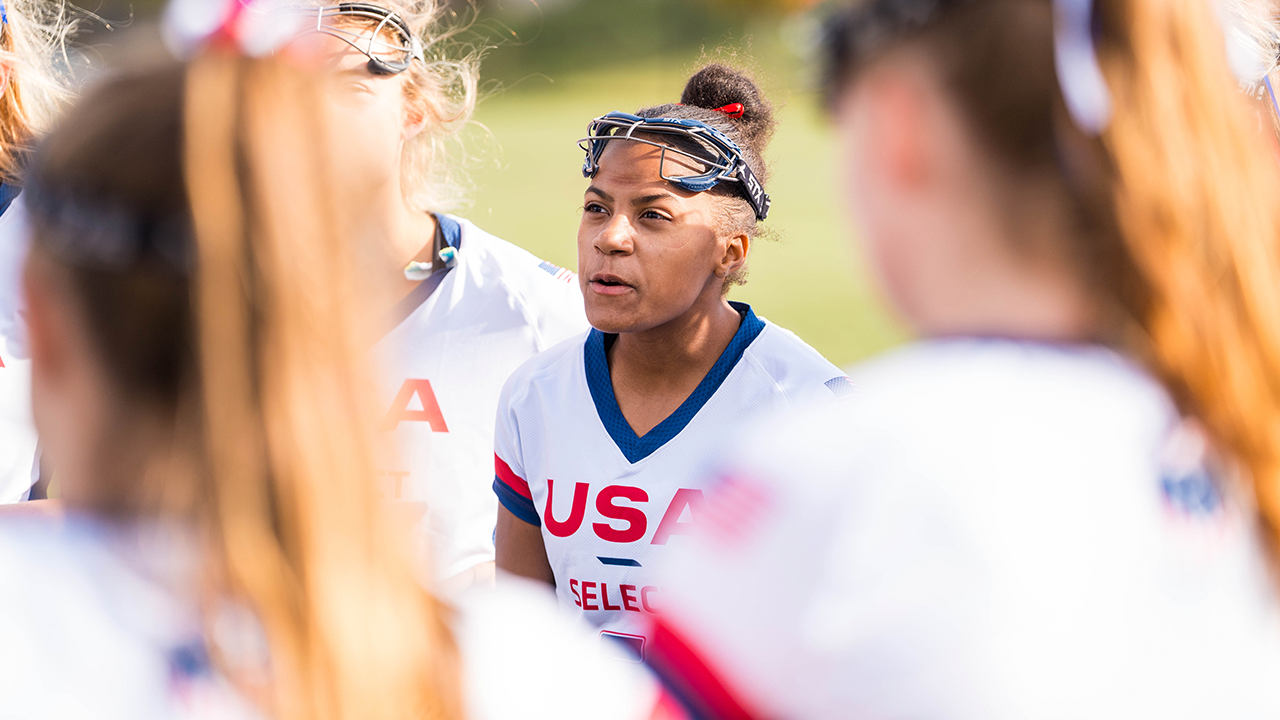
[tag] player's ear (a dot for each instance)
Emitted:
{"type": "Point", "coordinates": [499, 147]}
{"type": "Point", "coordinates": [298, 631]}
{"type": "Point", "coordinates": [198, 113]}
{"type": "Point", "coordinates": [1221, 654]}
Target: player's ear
{"type": "Point", "coordinates": [42, 314]}
{"type": "Point", "coordinates": [416, 117]}
{"type": "Point", "coordinates": [897, 106]}
{"type": "Point", "coordinates": [735, 255]}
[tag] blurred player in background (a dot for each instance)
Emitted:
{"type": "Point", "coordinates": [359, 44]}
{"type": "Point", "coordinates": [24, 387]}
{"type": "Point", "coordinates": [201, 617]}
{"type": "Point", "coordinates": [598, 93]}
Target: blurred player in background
{"type": "Point", "coordinates": [1253, 46]}
{"type": "Point", "coordinates": [1064, 501]}
{"type": "Point", "coordinates": [471, 307]}
{"type": "Point", "coordinates": [32, 90]}
{"type": "Point", "coordinates": [198, 343]}
{"type": "Point", "coordinates": [601, 441]}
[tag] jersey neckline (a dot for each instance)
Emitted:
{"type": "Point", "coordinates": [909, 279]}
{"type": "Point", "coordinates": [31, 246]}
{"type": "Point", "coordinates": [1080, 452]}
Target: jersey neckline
{"type": "Point", "coordinates": [636, 448]}
{"type": "Point", "coordinates": [448, 233]}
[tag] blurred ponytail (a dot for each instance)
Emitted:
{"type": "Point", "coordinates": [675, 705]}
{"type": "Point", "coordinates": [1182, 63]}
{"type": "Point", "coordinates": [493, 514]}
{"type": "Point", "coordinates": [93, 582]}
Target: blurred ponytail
{"type": "Point", "coordinates": [1196, 199]}
{"type": "Point", "coordinates": [287, 412]}
{"type": "Point", "coordinates": [202, 233]}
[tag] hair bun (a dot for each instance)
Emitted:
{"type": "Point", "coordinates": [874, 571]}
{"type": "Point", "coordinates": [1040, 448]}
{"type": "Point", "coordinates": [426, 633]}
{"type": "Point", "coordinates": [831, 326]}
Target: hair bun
{"type": "Point", "coordinates": [716, 86]}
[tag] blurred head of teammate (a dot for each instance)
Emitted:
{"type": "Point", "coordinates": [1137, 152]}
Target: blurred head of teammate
{"type": "Point", "coordinates": [389, 76]}
{"type": "Point", "coordinates": [651, 252]}
{"type": "Point", "coordinates": [196, 364]}
{"type": "Point", "coordinates": [994, 209]}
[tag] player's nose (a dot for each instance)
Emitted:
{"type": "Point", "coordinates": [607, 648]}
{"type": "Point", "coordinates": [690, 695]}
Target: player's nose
{"type": "Point", "coordinates": [617, 237]}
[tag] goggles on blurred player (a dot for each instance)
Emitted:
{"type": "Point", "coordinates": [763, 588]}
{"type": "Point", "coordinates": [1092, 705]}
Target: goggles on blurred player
{"type": "Point", "coordinates": [719, 158]}
{"type": "Point", "coordinates": [375, 31]}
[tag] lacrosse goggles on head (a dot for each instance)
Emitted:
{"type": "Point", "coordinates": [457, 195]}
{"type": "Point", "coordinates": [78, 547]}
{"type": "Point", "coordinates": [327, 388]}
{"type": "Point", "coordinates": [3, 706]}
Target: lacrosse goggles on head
{"type": "Point", "coordinates": [386, 56]}
{"type": "Point", "coordinates": [721, 156]}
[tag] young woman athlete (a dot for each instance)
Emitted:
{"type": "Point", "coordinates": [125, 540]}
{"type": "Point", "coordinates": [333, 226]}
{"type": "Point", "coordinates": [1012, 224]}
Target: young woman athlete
{"type": "Point", "coordinates": [32, 33]}
{"type": "Point", "coordinates": [471, 307]}
{"type": "Point", "coordinates": [601, 441]}
{"type": "Point", "coordinates": [1064, 502]}
{"type": "Point", "coordinates": [224, 553]}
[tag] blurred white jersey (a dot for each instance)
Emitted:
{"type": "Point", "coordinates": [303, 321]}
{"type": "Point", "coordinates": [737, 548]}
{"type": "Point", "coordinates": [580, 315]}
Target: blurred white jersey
{"type": "Point", "coordinates": [995, 530]}
{"type": "Point", "coordinates": [91, 627]}
{"type": "Point", "coordinates": [445, 364]}
{"type": "Point", "coordinates": [19, 468]}
{"type": "Point", "coordinates": [611, 504]}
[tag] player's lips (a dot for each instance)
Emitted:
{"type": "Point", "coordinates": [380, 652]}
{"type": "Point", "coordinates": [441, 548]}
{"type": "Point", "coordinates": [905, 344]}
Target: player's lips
{"type": "Point", "coordinates": [607, 284]}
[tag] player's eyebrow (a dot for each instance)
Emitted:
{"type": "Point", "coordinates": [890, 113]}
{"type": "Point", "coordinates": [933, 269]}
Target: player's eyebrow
{"type": "Point", "coordinates": [603, 195]}
{"type": "Point", "coordinates": [646, 199]}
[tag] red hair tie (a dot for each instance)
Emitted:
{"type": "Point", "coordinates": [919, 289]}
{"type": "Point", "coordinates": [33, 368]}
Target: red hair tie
{"type": "Point", "coordinates": [733, 110]}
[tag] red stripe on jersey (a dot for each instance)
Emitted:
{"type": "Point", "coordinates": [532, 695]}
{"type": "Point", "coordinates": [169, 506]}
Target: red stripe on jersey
{"type": "Point", "coordinates": [690, 677]}
{"type": "Point", "coordinates": [512, 480]}
{"type": "Point", "coordinates": [668, 708]}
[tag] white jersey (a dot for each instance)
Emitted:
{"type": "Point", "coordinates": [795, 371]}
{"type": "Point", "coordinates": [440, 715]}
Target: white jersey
{"type": "Point", "coordinates": [91, 627]}
{"type": "Point", "coordinates": [19, 468]}
{"type": "Point", "coordinates": [446, 363]}
{"type": "Point", "coordinates": [611, 504]}
{"type": "Point", "coordinates": [994, 529]}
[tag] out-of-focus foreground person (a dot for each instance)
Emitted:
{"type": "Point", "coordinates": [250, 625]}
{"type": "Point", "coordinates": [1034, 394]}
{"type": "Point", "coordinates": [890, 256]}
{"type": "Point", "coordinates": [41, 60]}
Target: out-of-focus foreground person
{"type": "Point", "coordinates": [467, 308]}
{"type": "Point", "coordinates": [1065, 501]}
{"type": "Point", "coordinates": [32, 91]}
{"type": "Point", "coordinates": [198, 339]}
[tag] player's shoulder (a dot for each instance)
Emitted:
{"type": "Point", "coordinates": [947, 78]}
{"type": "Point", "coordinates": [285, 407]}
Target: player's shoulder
{"type": "Point", "coordinates": [968, 404]}
{"type": "Point", "coordinates": [555, 365]}
{"type": "Point", "coordinates": [795, 367]}
{"type": "Point", "coordinates": [509, 266]}
{"type": "Point", "coordinates": [1004, 374]}
{"type": "Point", "coordinates": [30, 543]}
{"type": "Point", "coordinates": [14, 239]}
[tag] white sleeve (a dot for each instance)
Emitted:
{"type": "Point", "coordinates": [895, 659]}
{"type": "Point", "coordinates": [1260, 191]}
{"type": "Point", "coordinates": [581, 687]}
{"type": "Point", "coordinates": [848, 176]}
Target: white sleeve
{"type": "Point", "coordinates": [509, 482]}
{"type": "Point", "coordinates": [563, 314]}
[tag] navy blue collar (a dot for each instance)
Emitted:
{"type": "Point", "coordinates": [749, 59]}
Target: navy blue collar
{"type": "Point", "coordinates": [448, 232]}
{"type": "Point", "coordinates": [8, 193]}
{"type": "Point", "coordinates": [638, 448]}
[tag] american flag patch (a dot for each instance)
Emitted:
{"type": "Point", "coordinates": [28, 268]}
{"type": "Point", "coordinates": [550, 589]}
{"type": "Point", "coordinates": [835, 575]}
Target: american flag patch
{"type": "Point", "coordinates": [558, 272]}
{"type": "Point", "coordinates": [840, 386]}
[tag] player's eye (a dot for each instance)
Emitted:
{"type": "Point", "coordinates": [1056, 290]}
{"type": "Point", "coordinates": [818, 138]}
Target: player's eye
{"type": "Point", "coordinates": [653, 215]}
{"type": "Point", "coordinates": [592, 207]}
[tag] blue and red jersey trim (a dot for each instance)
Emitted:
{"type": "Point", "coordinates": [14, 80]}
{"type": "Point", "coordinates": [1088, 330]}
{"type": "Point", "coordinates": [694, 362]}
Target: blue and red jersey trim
{"type": "Point", "coordinates": [689, 678]}
{"type": "Point", "coordinates": [513, 492]}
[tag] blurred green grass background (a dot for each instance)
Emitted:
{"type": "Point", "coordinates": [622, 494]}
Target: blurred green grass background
{"type": "Point", "coordinates": [809, 277]}
{"type": "Point", "coordinates": [552, 65]}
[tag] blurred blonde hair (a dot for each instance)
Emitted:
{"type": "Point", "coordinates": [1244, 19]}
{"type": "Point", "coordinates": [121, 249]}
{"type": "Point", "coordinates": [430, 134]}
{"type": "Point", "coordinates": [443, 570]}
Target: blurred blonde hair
{"type": "Point", "coordinates": [1254, 27]}
{"type": "Point", "coordinates": [289, 413]}
{"type": "Point", "coordinates": [259, 356]}
{"type": "Point", "coordinates": [445, 89]}
{"type": "Point", "coordinates": [1195, 193]}
{"type": "Point", "coordinates": [33, 46]}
